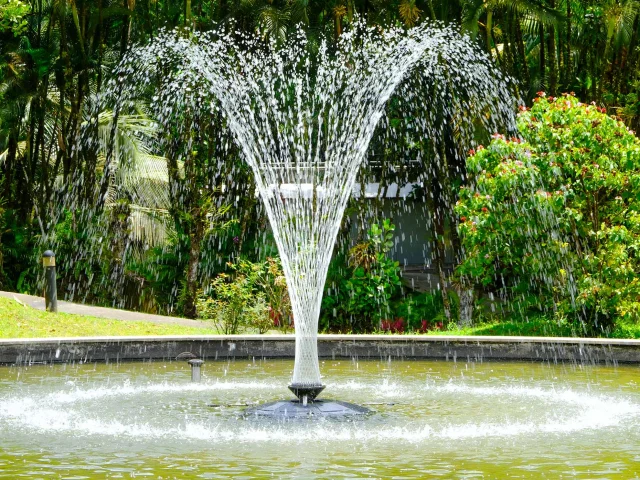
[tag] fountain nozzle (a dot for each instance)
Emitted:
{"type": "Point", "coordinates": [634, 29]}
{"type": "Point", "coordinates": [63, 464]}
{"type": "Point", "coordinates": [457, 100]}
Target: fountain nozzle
{"type": "Point", "coordinates": [306, 393]}
{"type": "Point", "coordinates": [195, 363]}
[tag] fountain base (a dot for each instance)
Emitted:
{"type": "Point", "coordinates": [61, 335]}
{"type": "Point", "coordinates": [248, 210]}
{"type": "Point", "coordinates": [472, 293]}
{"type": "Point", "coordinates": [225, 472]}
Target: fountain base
{"type": "Point", "coordinates": [315, 408]}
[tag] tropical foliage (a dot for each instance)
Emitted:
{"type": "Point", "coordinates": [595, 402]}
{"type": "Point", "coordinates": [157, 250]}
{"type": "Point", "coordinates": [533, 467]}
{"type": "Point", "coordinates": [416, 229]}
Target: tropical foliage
{"type": "Point", "coordinates": [149, 213]}
{"type": "Point", "coordinates": [360, 299]}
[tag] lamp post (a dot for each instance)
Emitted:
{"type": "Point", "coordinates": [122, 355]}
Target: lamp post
{"type": "Point", "coordinates": [50, 290]}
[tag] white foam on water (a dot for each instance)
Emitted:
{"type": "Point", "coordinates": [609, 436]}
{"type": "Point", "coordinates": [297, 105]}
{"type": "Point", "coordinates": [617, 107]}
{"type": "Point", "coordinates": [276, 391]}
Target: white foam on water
{"type": "Point", "coordinates": [385, 389]}
{"type": "Point", "coordinates": [55, 413]}
{"type": "Point", "coordinates": [128, 389]}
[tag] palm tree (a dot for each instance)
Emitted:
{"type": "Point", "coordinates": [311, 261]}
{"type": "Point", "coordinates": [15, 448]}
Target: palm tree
{"type": "Point", "coordinates": [409, 12]}
{"type": "Point", "coordinates": [513, 21]}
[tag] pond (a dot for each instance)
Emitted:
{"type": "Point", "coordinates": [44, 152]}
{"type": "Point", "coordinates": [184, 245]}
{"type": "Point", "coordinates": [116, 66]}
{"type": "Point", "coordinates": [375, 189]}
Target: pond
{"type": "Point", "coordinates": [430, 419]}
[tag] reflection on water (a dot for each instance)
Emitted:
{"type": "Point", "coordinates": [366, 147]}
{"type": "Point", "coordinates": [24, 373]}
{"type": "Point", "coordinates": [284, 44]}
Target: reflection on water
{"type": "Point", "coordinates": [431, 419]}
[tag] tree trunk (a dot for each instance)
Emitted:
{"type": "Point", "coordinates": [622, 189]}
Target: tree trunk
{"type": "Point", "coordinates": [440, 191]}
{"type": "Point", "coordinates": [119, 229]}
{"type": "Point", "coordinates": [489, 27]}
{"type": "Point", "coordinates": [543, 66]}
{"type": "Point", "coordinates": [108, 163]}
{"type": "Point", "coordinates": [222, 9]}
{"type": "Point", "coordinates": [9, 166]}
{"type": "Point", "coordinates": [191, 287]}
{"type": "Point", "coordinates": [100, 36]}
{"type": "Point", "coordinates": [249, 209]}
{"type": "Point", "coordinates": [187, 13]}
{"type": "Point", "coordinates": [507, 47]}
{"type": "Point", "coordinates": [624, 77]}
{"type": "Point", "coordinates": [432, 11]}
{"type": "Point", "coordinates": [522, 58]}
{"type": "Point", "coordinates": [124, 33]}
{"type": "Point", "coordinates": [465, 294]}
{"type": "Point", "coordinates": [568, 62]}
{"type": "Point", "coordinates": [439, 250]}
{"type": "Point", "coordinates": [553, 71]}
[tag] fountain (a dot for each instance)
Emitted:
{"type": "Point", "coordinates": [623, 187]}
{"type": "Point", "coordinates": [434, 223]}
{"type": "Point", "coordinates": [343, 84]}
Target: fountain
{"type": "Point", "coordinates": [304, 122]}
{"type": "Point", "coordinates": [304, 128]}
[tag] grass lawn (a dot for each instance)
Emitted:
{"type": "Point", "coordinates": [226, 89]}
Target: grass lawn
{"type": "Point", "coordinates": [18, 321]}
{"type": "Point", "coordinates": [539, 327]}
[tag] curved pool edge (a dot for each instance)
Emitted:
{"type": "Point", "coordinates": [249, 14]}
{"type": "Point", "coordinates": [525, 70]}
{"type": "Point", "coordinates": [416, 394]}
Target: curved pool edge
{"type": "Point", "coordinates": [330, 346]}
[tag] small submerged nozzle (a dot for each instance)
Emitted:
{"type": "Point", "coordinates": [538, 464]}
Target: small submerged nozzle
{"type": "Point", "coordinates": [195, 363]}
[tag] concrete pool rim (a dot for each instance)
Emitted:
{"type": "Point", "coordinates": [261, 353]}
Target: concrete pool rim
{"type": "Point", "coordinates": [27, 351]}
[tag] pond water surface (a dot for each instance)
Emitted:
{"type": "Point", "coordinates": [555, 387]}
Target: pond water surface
{"type": "Point", "coordinates": [430, 420]}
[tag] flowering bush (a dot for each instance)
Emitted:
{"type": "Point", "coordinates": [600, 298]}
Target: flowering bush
{"type": "Point", "coordinates": [552, 221]}
{"type": "Point", "coordinates": [399, 326]}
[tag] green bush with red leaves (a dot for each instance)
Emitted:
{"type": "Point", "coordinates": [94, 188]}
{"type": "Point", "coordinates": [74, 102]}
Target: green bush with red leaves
{"type": "Point", "coordinates": [551, 221]}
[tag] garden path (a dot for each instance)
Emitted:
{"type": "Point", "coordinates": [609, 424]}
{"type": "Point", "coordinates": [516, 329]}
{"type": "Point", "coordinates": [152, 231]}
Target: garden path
{"type": "Point", "coordinates": [103, 312]}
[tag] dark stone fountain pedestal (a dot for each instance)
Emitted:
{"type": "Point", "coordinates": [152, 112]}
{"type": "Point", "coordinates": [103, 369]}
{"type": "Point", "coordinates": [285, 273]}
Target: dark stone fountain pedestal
{"type": "Point", "coordinates": [309, 391]}
{"type": "Point", "coordinates": [315, 408]}
{"type": "Point", "coordinates": [306, 405]}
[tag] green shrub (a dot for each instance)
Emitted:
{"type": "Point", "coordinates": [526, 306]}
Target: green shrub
{"type": "Point", "coordinates": [362, 298]}
{"type": "Point", "coordinates": [254, 297]}
{"type": "Point", "coordinates": [425, 311]}
{"type": "Point", "coordinates": [234, 306]}
{"type": "Point", "coordinates": [553, 222]}
{"type": "Point", "coordinates": [19, 260]}
{"type": "Point", "coordinates": [267, 279]}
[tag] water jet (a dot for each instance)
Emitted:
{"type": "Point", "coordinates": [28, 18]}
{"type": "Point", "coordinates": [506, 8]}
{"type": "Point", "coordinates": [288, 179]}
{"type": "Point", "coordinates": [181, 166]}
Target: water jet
{"type": "Point", "coordinates": [303, 120]}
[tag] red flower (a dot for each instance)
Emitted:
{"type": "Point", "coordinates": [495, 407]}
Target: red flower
{"type": "Point", "coordinates": [464, 219]}
{"type": "Point", "coordinates": [541, 93]}
{"type": "Point", "coordinates": [398, 325]}
{"type": "Point", "coordinates": [485, 209]}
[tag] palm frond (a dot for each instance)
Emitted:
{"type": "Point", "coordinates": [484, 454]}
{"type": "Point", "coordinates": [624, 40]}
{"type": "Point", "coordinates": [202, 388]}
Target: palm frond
{"type": "Point", "coordinates": [471, 12]}
{"type": "Point", "coordinates": [152, 227]}
{"type": "Point", "coordinates": [273, 22]}
{"type": "Point", "coordinates": [535, 8]}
